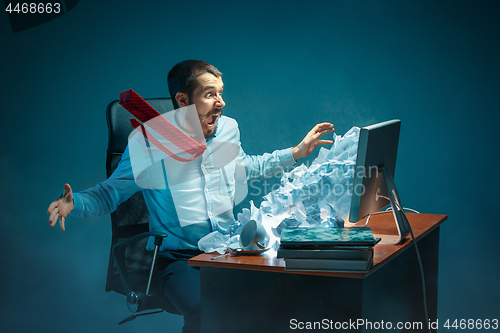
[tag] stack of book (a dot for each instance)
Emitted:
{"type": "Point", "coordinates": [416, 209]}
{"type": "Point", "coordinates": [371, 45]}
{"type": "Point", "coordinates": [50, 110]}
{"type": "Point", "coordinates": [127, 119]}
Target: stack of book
{"type": "Point", "coordinates": [327, 249]}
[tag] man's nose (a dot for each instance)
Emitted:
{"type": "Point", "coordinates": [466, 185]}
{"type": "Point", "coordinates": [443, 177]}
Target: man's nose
{"type": "Point", "coordinates": [220, 101]}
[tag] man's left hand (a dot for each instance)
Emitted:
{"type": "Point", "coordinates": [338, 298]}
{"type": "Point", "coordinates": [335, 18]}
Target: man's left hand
{"type": "Point", "coordinates": [312, 140]}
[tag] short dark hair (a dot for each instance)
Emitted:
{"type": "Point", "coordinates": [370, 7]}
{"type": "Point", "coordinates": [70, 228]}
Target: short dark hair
{"type": "Point", "coordinates": [182, 77]}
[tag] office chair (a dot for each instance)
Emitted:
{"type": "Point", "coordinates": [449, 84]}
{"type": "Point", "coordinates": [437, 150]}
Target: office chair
{"type": "Point", "coordinates": [130, 264]}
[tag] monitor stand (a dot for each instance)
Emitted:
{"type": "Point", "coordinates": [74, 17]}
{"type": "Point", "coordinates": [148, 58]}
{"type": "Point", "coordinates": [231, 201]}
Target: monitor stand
{"type": "Point", "coordinates": [400, 218]}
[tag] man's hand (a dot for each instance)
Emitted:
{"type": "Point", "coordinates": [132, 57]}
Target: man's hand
{"type": "Point", "coordinates": [61, 207]}
{"type": "Point", "coordinates": [312, 140]}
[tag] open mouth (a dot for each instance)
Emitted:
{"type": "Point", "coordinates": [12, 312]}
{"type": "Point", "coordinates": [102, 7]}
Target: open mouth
{"type": "Point", "coordinates": [212, 120]}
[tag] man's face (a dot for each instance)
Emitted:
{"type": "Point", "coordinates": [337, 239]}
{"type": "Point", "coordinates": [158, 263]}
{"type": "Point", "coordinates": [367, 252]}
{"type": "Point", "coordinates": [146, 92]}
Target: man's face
{"type": "Point", "coordinates": [207, 97]}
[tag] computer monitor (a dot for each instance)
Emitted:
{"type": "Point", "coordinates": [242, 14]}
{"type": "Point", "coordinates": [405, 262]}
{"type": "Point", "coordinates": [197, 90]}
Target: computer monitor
{"type": "Point", "coordinates": [373, 185]}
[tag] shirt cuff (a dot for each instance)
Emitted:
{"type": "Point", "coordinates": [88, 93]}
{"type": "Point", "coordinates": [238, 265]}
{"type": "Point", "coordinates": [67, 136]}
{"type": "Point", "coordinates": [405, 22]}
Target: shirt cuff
{"type": "Point", "coordinates": [78, 205]}
{"type": "Point", "coordinates": [286, 157]}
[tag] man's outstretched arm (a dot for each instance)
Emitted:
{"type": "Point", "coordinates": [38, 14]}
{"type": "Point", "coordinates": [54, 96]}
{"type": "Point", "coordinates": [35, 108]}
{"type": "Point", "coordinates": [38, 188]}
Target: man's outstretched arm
{"type": "Point", "coordinates": [61, 207]}
{"type": "Point", "coordinates": [311, 140]}
{"type": "Point", "coordinates": [266, 165]}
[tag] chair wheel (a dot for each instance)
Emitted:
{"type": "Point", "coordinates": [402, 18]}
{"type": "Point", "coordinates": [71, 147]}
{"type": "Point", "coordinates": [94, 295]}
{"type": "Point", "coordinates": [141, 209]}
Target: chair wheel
{"type": "Point", "coordinates": [135, 301]}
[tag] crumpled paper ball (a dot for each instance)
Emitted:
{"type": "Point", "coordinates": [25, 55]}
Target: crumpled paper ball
{"type": "Point", "coordinates": [217, 242]}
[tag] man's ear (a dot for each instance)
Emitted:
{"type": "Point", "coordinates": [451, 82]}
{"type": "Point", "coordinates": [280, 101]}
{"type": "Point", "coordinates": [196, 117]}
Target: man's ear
{"type": "Point", "coordinates": [182, 99]}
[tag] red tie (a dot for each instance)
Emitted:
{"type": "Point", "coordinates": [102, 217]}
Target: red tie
{"type": "Point", "coordinates": [140, 109]}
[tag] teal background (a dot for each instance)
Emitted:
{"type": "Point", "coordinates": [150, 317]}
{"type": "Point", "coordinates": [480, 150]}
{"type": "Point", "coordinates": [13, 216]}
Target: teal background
{"type": "Point", "coordinates": [287, 65]}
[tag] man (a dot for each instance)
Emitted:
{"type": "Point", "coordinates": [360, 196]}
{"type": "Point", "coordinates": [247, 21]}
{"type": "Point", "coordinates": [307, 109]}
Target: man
{"type": "Point", "coordinates": [187, 208]}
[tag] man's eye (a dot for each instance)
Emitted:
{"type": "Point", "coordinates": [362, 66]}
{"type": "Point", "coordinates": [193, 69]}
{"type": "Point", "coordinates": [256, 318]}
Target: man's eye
{"type": "Point", "coordinates": [212, 95]}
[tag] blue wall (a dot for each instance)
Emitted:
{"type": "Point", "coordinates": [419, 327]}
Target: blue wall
{"type": "Point", "coordinates": [287, 65]}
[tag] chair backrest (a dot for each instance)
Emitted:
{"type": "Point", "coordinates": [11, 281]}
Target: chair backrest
{"type": "Point", "coordinates": [132, 216]}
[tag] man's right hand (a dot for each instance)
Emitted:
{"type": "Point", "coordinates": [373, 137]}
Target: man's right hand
{"type": "Point", "coordinates": [61, 207]}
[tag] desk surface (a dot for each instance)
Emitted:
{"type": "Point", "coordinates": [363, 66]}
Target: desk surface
{"type": "Point", "coordinates": [421, 224]}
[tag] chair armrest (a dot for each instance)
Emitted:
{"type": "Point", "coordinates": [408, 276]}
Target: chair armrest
{"type": "Point", "coordinates": [119, 254]}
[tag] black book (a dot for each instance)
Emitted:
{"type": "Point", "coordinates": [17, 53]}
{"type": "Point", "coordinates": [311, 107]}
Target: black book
{"type": "Point", "coordinates": [331, 265]}
{"type": "Point", "coordinates": [352, 252]}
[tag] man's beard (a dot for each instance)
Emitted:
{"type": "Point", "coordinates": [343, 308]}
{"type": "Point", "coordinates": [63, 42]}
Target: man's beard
{"type": "Point", "coordinates": [211, 133]}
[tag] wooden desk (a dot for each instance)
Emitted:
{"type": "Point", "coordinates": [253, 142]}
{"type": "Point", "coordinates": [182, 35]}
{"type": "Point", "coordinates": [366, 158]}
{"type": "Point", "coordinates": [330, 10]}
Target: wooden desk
{"type": "Point", "coordinates": [255, 293]}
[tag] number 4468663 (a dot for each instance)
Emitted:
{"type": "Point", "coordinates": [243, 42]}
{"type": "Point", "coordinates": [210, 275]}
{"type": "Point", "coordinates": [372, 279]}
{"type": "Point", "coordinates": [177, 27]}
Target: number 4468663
{"type": "Point", "coordinates": [472, 324]}
{"type": "Point", "coordinates": [34, 8]}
